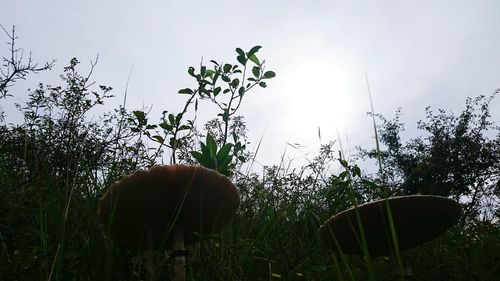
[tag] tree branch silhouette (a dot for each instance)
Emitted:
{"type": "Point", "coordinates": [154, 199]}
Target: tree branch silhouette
{"type": "Point", "coordinates": [15, 66]}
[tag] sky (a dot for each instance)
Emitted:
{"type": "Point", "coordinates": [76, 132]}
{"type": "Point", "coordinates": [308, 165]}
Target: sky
{"type": "Point", "coordinates": [414, 54]}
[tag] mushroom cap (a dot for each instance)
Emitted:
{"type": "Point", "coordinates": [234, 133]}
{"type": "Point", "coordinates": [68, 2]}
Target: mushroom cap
{"type": "Point", "coordinates": [417, 219]}
{"type": "Point", "coordinates": [141, 209]}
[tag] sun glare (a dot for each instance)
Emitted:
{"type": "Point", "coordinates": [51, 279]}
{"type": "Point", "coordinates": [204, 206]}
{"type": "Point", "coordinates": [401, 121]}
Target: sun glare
{"type": "Point", "coordinates": [318, 95]}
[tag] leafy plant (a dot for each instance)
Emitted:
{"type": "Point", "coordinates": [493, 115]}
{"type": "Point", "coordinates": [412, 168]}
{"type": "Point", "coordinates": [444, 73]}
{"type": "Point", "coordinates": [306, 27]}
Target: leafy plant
{"type": "Point", "coordinates": [222, 84]}
{"type": "Point", "coordinates": [213, 159]}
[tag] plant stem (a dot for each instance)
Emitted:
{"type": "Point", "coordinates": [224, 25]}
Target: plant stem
{"type": "Point", "coordinates": [379, 156]}
{"type": "Point", "coordinates": [180, 260]}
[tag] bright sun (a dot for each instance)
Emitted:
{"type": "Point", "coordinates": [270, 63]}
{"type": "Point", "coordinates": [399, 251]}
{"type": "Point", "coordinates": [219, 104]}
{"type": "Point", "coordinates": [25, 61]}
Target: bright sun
{"type": "Point", "coordinates": [318, 94]}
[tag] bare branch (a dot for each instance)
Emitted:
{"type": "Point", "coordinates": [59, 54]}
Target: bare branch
{"type": "Point", "coordinates": [14, 66]}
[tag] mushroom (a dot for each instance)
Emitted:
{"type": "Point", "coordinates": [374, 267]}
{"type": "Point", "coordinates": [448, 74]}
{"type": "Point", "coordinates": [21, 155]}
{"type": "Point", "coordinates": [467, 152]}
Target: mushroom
{"type": "Point", "coordinates": [166, 207]}
{"type": "Point", "coordinates": [416, 219]}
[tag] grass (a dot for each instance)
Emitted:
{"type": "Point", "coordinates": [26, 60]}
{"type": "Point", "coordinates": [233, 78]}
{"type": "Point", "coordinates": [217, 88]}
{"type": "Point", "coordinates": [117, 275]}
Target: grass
{"type": "Point", "coordinates": [50, 232]}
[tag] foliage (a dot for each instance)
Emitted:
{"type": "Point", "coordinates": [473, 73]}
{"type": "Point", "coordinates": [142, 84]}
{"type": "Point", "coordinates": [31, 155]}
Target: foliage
{"type": "Point", "coordinates": [53, 168]}
{"type": "Point", "coordinates": [56, 164]}
{"type": "Point", "coordinates": [458, 157]}
{"type": "Point", "coordinates": [213, 159]}
{"type": "Point", "coordinates": [224, 85]}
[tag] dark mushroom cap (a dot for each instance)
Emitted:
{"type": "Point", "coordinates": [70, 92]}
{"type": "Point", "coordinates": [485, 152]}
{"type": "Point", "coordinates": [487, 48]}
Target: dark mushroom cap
{"type": "Point", "coordinates": [417, 219]}
{"type": "Point", "coordinates": [141, 209]}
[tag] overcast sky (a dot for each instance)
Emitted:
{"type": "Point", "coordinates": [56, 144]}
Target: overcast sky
{"type": "Point", "coordinates": [416, 53]}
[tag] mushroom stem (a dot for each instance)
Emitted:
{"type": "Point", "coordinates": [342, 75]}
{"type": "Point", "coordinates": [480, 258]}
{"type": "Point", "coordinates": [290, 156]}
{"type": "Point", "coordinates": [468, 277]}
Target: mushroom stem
{"type": "Point", "coordinates": [150, 264]}
{"type": "Point", "coordinates": [149, 255]}
{"type": "Point", "coordinates": [180, 259]}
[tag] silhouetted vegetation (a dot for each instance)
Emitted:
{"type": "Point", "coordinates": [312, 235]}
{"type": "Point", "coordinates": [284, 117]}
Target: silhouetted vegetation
{"type": "Point", "coordinates": [457, 157]}
{"type": "Point", "coordinates": [57, 163]}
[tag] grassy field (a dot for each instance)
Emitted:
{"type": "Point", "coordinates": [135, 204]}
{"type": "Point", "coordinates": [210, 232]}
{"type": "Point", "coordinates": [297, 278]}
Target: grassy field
{"type": "Point", "coordinates": [50, 231]}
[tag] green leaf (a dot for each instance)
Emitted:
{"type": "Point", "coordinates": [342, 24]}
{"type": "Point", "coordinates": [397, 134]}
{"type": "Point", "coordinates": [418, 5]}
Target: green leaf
{"type": "Point", "coordinates": [256, 72]}
{"type": "Point", "coordinates": [209, 73]}
{"type": "Point", "coordinates": [242, 60]}
{"type": "Point", "coordinates": [149, 127]}
{"type": "Point", "coordinates": [225, 78]}
{"type": "Point", "coordinates": [254, 59]}
{"type": "Point", "coordinates": [224, 152]}
{"type": "Point", "coordinates": [212, 146]}
{"type": "Point", "coordinates": [191, 71]}
{"type": "Point", "coordinates": [171, 118]}
{"type": "Point", "coordinates": [227, 67]}
{"type": "Point", "coordinates": [199, 157]}
{"type": "Point", "coordinates": [204, 150]}
{"type": "Point", "coordinates": [240, 52]}
{"type": "Point", "coordinates": [186, 91]}
{"type": "Point", "coordinates": [141, 117]}
{"type": "Point", "coordinates": [166, 126]}
{"type": "Point", "coordinates": [253, 51]}
{"type": "Point", "coordinates": [202, 70]}
{"type": "Point", "coordinates": [269, 74]}
{"type": "Point", "coordinates": [263, 84]}
{"type": "Point", "coordinates": [241, 91]}
{"type": "Point", "coordinates": [178, 118]}
{"type": "Point", "coordinates": [223, 165]}
{"type": "Point", "coordinates": [344, 174]}
{"type": "Point", "coordinates": [184, 127]}
{"type": "Point", "coordinates": [217, 91]}
{"type": "Point", "coordinates": [235, 83]}
{"type": "Point", "coordinates": [159, 139]}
